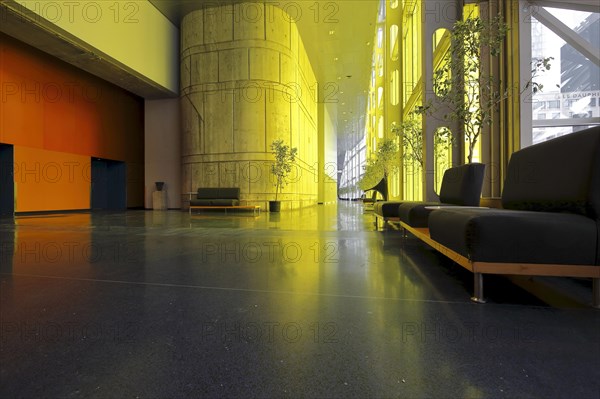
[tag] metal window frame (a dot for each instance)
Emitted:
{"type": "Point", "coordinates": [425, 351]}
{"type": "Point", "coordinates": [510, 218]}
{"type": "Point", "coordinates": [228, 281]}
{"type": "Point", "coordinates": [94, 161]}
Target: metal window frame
{"type": "Point", "coordinates": [534, 9]}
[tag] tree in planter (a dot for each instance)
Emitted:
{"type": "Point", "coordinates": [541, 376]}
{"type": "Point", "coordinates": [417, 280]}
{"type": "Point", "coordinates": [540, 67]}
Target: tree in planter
{"type": "Point", "coordinates": [470, 94]}
{"type": "Point", "coordinates": [373, 175]}
{"type": "Point", "coordinates": [380, 166]}
{"type": "Point", "coordinates": [387, 152]}
{"type": "Point", "coordinates": [285, 157]}
{"type": "Point", "coordinates": [411, 133]}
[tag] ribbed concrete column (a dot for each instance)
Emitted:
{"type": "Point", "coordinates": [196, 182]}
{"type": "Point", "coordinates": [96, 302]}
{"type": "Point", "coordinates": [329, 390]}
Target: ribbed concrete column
{"type": "Point", "coordinates": [246, 81]}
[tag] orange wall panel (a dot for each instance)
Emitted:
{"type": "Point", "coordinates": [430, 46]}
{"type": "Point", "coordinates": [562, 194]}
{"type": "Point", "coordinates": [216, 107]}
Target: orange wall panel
{"type": "Point", "coordinates": [51, 181]}
{"type": "Point", "coordinates": [50, 105]}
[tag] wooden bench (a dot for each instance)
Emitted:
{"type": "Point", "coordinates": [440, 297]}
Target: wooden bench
{"type": "Point", "coordinates": [391, 220]}
{"type": "Point", "coordinates": [254, 208]}
{"type": "Point", "coordinates": [519, 269]}
{"type": "Point", "coordinates": [549, 224]}
{"type": "Point", "coordinates": [461, 186]}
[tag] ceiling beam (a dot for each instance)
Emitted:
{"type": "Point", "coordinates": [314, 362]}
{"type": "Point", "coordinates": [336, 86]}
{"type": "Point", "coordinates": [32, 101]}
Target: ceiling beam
{"type": "Point", "coordinates": [22, 24]}
{"type": "Point", "coordinates": [577, 5]}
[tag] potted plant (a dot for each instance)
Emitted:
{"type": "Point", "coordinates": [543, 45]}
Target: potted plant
{"type": "Point", "coordinates": [285, 157]}
{"type": "Point", "coordinates": [411, 134]}
{"type": "Point", "coordinates": [380, 166]}
{"type": "Point", "coordinates": [412, 140]}
{"type": "Point", "coordinates": [467, 93]}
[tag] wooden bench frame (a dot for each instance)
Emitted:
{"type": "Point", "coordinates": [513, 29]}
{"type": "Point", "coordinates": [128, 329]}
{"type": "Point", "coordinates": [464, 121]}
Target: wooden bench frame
{"type": "Point", "coordinates": [526, 269]}
{"type": "Point", "coordinates": [385, 220]}
{"type": "Point", "coordinates": [254, 208]}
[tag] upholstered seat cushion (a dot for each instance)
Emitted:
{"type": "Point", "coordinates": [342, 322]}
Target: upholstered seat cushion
{"type": "Point", "coordinates": [218, 193]}
{"type": "Point", "coordinates": [416, 214]}
{"type": "Point", "coordinates": [559, 175]}
{"type": "Point", "coordinates": [213, 196]}
{"type": "Point", "coordinates": [387, 209]}
{"type": "Point", "coordinates": [552, 208]}
{"type": "Point", "coordinates": [506, 236]}
{"type": "Point", "coordinates": [461, 185]}
{"type": "Point", "coordinates": [215, 202]}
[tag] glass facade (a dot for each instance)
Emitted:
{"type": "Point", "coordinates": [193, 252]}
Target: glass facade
{"type": "Point", "coordinates": [569, 100]}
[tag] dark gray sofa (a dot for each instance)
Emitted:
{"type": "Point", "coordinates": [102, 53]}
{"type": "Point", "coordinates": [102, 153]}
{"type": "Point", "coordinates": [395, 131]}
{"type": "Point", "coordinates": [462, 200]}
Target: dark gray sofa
{"type": "Point", "coordinates": [461, 186]}
{"type": "Point", "coordinates": [550, 224]}
{"type": "Point", "coordinates": [227, 196]}
{"type": "Point", "coordinates": [386, 210]}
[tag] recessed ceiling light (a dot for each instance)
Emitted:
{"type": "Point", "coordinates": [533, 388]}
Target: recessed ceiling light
{"type": "Point", "coordinates": [331, 32]}
{"type": "Point", "coordinates": [336, 58]}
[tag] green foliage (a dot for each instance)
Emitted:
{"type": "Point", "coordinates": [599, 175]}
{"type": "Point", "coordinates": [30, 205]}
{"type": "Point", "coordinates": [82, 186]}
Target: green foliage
{"type": "Point", "coordinates": [387, 155]}
{"type": "Point", "coordinates": [442, 141]}
{"type": "Point", "coordinates": [381, 165]}
{"type": "Point", "coordinates": [411, 133]}
{"type": "Point", "coordinates": [539, 65]}
{"type": "Point", "coordinates": [470, 94]}
{"type": "Point", "coordinates": [373, 174]}
{"type": "Point", "coordinates": [285, 157]}
{"type": "Point", "coordinates": [472, 106]}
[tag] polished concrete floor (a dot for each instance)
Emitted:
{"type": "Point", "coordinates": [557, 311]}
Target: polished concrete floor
{"type": "Point", "coordinates": [309, 303]}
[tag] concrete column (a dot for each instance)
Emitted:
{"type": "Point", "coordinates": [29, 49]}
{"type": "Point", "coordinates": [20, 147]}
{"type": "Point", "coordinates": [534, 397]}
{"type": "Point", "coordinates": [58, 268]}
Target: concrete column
{"type": "Point", "coordinates": [245, 81]}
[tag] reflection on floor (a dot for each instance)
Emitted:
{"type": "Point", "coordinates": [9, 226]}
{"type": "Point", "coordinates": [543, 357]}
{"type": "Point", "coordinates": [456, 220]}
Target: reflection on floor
{"type": "Point", "coordinates": [311, 302]}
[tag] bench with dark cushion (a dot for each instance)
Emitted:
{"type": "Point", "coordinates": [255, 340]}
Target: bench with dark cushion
{"type": "Point", "coordinates": [550, 224]}
{"type": "Point", "coordinates": [388, 210]}
{"type": "Point", "coordinates": [228, 196]}
{"type": "Point", "coordinates": [461, 186]}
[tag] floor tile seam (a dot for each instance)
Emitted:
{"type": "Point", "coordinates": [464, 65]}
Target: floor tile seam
{"type": "Point", "coordinates": [263, 233]}
{"type": "Point", "coordinates": [167, 285]}
{"type": "Point", "coordinates": [176, 229]}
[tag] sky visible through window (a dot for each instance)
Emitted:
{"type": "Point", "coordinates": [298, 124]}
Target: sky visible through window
{"type": "Point", "coordinates": [571, 87]}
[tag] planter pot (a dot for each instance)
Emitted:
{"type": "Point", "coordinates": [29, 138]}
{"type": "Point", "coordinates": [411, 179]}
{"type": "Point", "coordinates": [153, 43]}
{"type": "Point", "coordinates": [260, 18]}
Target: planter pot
{"type": "Point", "coordinates": [274, 206]}
{"type": "Point", "coordinates": [159, 185]}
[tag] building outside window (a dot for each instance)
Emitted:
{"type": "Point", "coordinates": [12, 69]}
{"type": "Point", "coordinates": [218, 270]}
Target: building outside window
{"type": "Point", "coordinates": [572, 85]}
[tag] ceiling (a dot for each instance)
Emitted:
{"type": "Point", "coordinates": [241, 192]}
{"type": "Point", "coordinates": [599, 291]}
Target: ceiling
{"type": "Point", "coordinates": [338, 36]}
{"type": "Point", "coordinates": [22, 24]}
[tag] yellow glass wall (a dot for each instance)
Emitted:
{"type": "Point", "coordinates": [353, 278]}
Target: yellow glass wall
{"type": "Point", "coordinates": [412, 68]}
{"type": "Point", "coordinates": [442, 151]}
{"type": "Point", "coordinates": [397, 89]}
{"type": "Point", "coordinates": [375, 123]}
{"type": "Point", "coordinates": [412, 86]}
{"type": "Point", "coordinates": [472, 11]}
